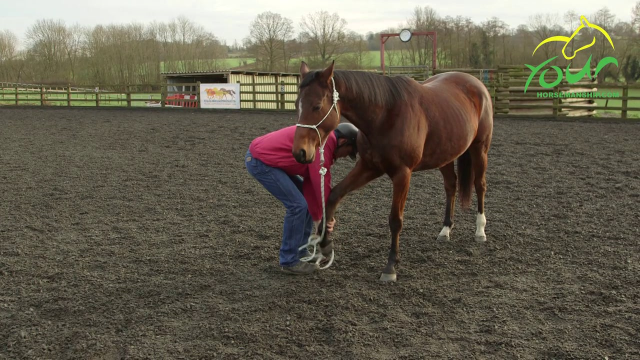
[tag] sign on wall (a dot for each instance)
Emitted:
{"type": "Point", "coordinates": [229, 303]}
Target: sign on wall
{"type": "Point", "coordinates": [220, 96]}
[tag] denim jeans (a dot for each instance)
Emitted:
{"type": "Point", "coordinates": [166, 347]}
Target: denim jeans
{"type": "Point", "coordinates": [298, 223]}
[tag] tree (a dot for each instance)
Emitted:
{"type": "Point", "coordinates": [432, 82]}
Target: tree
{"type": "Point", "coordinates": [47, 41]}
{"type": "Point", "coordinates": [572, 19]}
{"type": "Point", "coordinates": [602, 48]}
{"type": "Point", "coordinates": [357, 57]}
{"type": "Point", "coordinates": [635, 19]}
{"type": "Point", "coordinates": [268, 35]}
{"type": "Point", "coordinates": [542, 27]}
{"type": "Point", "coordinates": [8, 52]}
{"type": "Point", "coordinates": [422, 19]}
{"type": "Point", "coordinates": [631, 69]}
{"type": "Point", "coordinates": [325, 33]}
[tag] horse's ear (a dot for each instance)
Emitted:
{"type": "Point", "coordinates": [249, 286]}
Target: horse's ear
{"type": "Point", "coordinates": [327, 73]}
{"type": "Point", "coordinates": [304, 69]}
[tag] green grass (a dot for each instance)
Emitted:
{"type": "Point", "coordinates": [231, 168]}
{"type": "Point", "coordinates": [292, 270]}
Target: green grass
{"type": "Point", "coordinates": [7, 97]}
{"type": "Point", "coordinates": [613, 102]}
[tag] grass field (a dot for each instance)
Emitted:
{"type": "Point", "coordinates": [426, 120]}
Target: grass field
{"type": "Point", "coordinates": [371, 60]}
{"type": "Point", "coordinates": [618, 103]}
{"type": "Point", "coordinates": [60, 99]}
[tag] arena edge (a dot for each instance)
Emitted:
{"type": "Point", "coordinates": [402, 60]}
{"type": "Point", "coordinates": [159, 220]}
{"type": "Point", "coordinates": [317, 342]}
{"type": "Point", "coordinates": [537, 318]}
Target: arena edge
{"type": "Point", "coordinates": [580, 95]}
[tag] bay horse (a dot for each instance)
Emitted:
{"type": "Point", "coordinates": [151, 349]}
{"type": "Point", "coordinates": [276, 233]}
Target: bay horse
{"type": "Point", "coordinates": [404, 126]}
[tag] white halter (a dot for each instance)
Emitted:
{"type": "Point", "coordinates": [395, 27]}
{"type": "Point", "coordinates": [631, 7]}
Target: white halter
{"type": "Point", "coordinates": [314, 239]}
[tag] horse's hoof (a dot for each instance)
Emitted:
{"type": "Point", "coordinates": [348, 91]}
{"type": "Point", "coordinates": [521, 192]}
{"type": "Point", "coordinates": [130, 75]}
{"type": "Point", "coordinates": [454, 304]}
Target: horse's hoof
{"type": "Point", "coordinates": [326, 251]}
{"type": "Point", "coordinates": [387, 277]}
{"type": "Point", "coordinates": [444, 238]}
{"type": "Point", "coordinates": [481, 238]}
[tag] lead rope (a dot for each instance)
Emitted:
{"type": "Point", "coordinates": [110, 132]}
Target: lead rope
{"type": "Point", "coordinates": [315, 239]}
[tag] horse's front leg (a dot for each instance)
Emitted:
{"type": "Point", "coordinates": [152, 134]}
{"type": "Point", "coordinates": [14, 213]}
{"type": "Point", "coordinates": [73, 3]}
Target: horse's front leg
{"type": "Point", "coordinates": [359, 176]}
{"type": "Point", "coordinates": [401, 181]}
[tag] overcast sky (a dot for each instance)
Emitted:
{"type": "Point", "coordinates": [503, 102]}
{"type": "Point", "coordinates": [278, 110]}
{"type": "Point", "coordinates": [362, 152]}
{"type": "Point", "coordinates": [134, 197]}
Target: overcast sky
{"type": "Point", "coordinates": [229, 19]}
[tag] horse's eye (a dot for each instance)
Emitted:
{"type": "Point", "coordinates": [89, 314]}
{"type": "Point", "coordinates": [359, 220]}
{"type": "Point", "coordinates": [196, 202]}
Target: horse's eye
{"type": "Point", "coordinates": [316, 108]}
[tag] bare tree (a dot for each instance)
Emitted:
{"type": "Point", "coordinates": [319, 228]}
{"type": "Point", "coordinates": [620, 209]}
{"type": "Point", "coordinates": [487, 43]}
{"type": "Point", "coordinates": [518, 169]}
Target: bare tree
{"type": "Point", "coordinates": [422, 19]}
{"type": "Point", "coordinates": [494, 29]}
{"type": "Point", "coordinates": [357, 57]}
{"type": "Point", "coordinates": [268, 36]}
{"type": "Point", "coordinates": [8, 53]}
{"type": "Point", "coordinates": [47, 41]}
{"type": "Point", "coordinates": [325, 33]}
{"type": "Point", "coordinates": [571, 19]}
{"type": "Point", "coordinates": [543, 26]}
{"type": "Point", "coordinates": [635, 24]}
{"type": "Point", "coordinates": [603, 48]}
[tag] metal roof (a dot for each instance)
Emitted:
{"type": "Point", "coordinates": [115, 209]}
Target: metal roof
{"type": "Point", "coordinates": [225, 72]}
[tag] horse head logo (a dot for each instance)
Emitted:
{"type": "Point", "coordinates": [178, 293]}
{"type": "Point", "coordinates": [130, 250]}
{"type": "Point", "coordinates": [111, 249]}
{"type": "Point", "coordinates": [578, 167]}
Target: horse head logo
{"type": "Point", "coordinates": [583, 23]}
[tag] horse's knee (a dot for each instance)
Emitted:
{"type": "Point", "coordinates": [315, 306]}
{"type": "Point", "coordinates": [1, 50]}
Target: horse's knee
{"type": "Point", "coordinates": [333, 198]}
{"type": "Point", "coordinates": [395, 223]}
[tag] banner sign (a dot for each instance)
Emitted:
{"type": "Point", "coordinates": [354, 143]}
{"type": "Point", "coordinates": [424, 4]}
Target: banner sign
{"type": "Point", "coordinates": [220, 96]}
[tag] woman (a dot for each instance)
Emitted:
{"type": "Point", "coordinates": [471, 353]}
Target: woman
{"type": "Point", "coordinates": [270, 161]}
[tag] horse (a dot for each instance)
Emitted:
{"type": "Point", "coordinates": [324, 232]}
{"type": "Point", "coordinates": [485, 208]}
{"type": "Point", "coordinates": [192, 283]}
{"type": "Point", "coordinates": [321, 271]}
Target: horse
{"type": "Point", "coordinates": [404, 126]}
{"type": "Point", "coordinates": [228, 92]}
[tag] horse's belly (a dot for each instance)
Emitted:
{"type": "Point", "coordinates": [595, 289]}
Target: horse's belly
{"type": "Point", "coordinates": [431, 163]}
{"type": "Point", "coordinates": [437, 157]}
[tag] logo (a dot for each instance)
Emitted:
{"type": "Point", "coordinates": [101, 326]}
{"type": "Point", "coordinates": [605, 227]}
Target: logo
{"type": "Point", "coordinates": [586, 70]}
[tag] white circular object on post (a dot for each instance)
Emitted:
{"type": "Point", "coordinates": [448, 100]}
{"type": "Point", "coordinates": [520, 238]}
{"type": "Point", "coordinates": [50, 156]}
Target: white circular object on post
{"type": "Point", "coordinates": [405, 35]}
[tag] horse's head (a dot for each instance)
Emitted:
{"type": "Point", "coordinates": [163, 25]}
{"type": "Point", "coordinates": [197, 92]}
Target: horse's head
{"type": "Point", "coordinates": [318, 113]}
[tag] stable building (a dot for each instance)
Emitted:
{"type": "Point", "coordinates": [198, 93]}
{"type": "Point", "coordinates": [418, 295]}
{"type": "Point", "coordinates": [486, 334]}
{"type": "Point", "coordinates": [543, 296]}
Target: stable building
{"type": "Point", "coordinates": [258, 89]}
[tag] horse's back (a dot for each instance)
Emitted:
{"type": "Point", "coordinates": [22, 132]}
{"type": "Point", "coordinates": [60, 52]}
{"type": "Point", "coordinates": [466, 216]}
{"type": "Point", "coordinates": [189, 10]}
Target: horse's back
{"type": "Point", "coordinates": [458, 111]}
{"type": "Point", "coordinates": [452, 90]}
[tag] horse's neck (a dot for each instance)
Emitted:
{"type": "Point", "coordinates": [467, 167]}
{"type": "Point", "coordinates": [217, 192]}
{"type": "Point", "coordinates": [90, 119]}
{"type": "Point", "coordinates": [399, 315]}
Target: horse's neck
{"type": "Point", "coordinates": [365, 118]}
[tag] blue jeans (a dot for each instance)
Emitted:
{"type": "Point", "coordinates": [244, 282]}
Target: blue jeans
{"type": "Point", "coordinates": [298, 223]}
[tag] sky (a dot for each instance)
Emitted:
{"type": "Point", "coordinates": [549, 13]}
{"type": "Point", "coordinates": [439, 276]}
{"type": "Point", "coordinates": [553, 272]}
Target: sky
{"type": "Point", "coordinates": [229, 20]}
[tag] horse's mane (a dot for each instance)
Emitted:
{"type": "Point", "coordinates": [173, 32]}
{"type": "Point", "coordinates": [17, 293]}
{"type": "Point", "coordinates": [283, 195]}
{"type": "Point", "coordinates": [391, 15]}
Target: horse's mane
{"type": "Point", "coordinates": [372, 88]}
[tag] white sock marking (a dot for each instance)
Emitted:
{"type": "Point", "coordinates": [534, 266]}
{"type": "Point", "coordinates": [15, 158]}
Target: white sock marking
{"type": "Point", "coordinates": [445, 231]}
{"type": "Point", "coordinates": [481, 221]}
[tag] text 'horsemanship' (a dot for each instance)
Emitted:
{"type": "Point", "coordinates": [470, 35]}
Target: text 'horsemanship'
{"type": "Point", "coordinates": [572, 78]}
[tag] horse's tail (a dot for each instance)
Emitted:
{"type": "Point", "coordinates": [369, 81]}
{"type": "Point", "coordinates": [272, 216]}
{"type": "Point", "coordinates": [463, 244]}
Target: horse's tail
{"type": "Point", "coordinates": [465, 179]}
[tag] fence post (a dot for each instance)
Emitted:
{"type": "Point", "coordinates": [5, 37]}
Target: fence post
{"type": "Point", "coordinates": [16, 94]}
{"type": "Point", "coordinates": [97, 91]}
{"type": "Point", "coordinates": [625, 95]}
{"type": "Point", "coordinates": [282, 88]}
{"type": "Point", "coordinates": [127, 89]}
{"type": "Point", "coordinates": [198, 95]}
{"type": "Point", "coordinates": [41, 95]}
{"type": "Point", "coordinates": [163, 93]}
{"type": "Point", "coordinates": [68, 95]}
{"type": "Point", "coordinates": [556, 102]}
{"type": "Point", "coordinates": [255, 96]}
{"type": "Point", "coordinates": [239, 92]}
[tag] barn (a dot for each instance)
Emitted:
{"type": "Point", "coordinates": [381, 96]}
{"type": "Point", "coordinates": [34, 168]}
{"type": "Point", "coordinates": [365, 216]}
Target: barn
{"type": "Point", "coordinates": [258, 89]}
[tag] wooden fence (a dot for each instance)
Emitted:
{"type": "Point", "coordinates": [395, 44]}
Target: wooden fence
{"type": "Point", "coordinates": [505, 86]}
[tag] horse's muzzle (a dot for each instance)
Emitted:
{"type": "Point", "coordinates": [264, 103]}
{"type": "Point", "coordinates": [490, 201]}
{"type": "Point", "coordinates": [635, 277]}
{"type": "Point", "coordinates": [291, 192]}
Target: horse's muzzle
{"type": "Point", "coordinates": [301, 157]}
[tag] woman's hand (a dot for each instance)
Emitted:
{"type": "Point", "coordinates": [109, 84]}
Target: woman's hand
{"type": "Point", "coordinates": [330, 224]}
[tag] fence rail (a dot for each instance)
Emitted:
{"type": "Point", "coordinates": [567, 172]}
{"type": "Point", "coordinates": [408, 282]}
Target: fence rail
{"type": "Point", "coordinates": [507, 95]}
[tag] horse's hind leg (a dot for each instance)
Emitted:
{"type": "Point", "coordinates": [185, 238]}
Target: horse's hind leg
{"type": "Point", "coordinates": [479, 161]}
{"type": "Point", "coordinates": [450, 179]}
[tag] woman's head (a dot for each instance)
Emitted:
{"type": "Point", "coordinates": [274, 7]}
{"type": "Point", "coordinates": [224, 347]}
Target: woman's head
{"type": "Point", "coordinates": [346, 136]}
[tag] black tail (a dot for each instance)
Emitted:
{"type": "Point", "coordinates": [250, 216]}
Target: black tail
{"type": "Point", "coordinates": [465, 179]}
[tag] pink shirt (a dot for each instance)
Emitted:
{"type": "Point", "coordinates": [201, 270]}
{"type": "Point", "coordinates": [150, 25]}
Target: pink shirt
{"type": "Point", "coordinates": [274, 149]}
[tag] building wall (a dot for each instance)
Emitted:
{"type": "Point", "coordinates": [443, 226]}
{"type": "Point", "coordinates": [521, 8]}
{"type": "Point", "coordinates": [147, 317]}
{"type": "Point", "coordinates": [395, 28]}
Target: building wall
{"type": "Point", "coordinates": [256, 90]}
{"type": "Point", "coordinates": [261, 92]}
